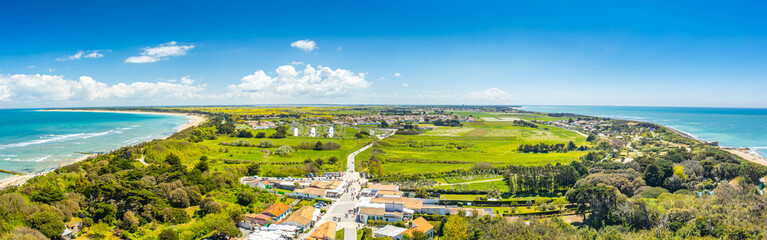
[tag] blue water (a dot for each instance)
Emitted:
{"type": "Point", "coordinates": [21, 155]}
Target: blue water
{"type": "Point", "coordinates": [32, 141]}
{"type": "Point", "coordinates": [732, 127]}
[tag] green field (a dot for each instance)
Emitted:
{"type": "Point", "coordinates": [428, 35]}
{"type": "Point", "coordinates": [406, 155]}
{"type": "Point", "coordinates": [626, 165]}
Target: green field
{"type": "Point", "coordinates": [271, 164]}
{"type": "Point", "coordinates": [449, 148]}
{"type": "Point", "coordinates": [495, 185]}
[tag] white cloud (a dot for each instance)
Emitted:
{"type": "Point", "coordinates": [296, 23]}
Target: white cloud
{"type": "Point", "coordinates": [82, 54]}
{"type": "Point", "coordinates": [490, 94]}
{"type": "Point", "coordinates": [405, 85]}
{"type": "Point", "coordinates": [306, 45]}
{"type": "Point", "coordinates": [296, 63]}
{"type": "Point", "coordinates": [31, 88]}
{"type": "Point", "coordinates": [381, 78]}
{"type": "Point", "coordinates": [289, 82]}
{"type": "Point", "coordinates": [397, 74]}
{"type": "Point", "coordinates": [31, 66]}
{"type": "Point", "coordinates": [186, 80]}
{"type": "Point", "coordinates": [339, 49]}
{"type": "Point", "coordinates": [51, 70]}
{"type": "Point", "coordinates": [160, 52]}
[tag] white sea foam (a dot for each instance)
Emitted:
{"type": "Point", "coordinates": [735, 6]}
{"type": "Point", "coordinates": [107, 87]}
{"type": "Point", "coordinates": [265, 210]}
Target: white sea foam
{"type": "Point", "coordinates": [56, 138]}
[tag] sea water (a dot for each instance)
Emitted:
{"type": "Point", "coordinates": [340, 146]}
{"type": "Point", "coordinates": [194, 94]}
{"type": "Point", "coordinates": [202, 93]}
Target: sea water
{"type": "Point", "coordinates": [731, 127]}
{"type": "Point", "coordinates": [32, 141]}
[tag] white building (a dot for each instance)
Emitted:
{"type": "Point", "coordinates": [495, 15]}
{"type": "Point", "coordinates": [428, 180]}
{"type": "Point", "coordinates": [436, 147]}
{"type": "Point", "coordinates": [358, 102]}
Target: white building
{"type": "Point", "coordinates": [313, 132]}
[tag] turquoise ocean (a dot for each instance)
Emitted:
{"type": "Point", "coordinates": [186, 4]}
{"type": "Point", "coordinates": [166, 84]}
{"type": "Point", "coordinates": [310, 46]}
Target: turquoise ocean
{"type": "Point", "coordinates": [32, 141]}
{"type": "Point", "coordinates": [731, 127]}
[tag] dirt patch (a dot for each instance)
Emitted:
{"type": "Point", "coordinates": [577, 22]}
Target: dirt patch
{"type": "Point", "coordinates": [476, 133]}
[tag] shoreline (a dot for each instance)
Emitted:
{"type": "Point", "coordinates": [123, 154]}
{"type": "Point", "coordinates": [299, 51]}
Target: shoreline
{"type": "Point", "coordinates": [18, 180]}
{"type": "Point", "coordinates": [745, 153]}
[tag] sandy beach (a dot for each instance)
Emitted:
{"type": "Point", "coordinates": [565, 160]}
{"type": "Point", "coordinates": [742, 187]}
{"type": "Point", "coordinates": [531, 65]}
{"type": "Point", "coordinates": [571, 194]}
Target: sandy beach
{"type": "Point", "coordinates": [17, 180]}
{"type": "Point", "coordinates": [194, 119]}
{"type": "Point", "coordinates": [747, 154]}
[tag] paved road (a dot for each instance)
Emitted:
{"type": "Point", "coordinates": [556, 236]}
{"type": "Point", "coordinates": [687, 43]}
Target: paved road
{"type": "Point", "coordinates": [341, 207]}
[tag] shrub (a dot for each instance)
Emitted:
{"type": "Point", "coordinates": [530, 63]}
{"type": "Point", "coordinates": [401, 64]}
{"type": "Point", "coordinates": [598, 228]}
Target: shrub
{"type": "Point", "coordinates": [283, 150]}
{"type": "Point", "coordinates": [265, 144]}
{"type": "Point", "coordinates": [329, 146]}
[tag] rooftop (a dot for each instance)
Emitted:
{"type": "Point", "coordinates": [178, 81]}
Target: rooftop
{"type": "Point", "coordinates": [325, 231]}
{"type": "Point", "coordinates": [389, 231]}
{"type": "Point", "coordinates": [302, 216]}
{"type": "Point", "coordinates": [276, 209]}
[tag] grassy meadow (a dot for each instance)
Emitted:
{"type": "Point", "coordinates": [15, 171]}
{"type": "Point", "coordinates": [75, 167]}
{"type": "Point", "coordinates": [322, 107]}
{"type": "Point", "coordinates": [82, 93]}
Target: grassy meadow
{"type": "Point", "coordinates": [495, 142]}
{"type": "Point", "coordinates": [223, 157]}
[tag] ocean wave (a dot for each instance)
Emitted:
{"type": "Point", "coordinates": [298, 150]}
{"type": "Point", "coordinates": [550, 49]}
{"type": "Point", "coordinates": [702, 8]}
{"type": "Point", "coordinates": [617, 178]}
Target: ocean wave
{"type": "Point", "coordinates": [56, 138]}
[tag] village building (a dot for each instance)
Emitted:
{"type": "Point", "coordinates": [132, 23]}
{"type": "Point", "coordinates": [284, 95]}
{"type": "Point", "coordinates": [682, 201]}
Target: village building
{"type": "Point", "coordinates": [250, 221]}
{"type": "Point", "coordinates": [277, 211]}
{"type": "Point", "coordinates": [303, 218]}
{"type": "Point", "coordinates": [325, 231]}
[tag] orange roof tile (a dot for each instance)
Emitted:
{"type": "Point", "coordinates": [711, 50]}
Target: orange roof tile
{"type": "Point", "coordinates": [276, 209]}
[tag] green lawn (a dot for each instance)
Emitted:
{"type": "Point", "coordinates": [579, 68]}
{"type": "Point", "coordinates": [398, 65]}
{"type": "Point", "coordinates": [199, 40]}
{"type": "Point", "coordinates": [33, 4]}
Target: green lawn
{"type": "Point", "coordinates": [495, 185]}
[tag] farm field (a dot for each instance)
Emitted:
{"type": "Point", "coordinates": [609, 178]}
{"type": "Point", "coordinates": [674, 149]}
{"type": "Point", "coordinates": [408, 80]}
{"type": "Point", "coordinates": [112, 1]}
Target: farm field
{"type": "Point", "coordinates": [223, 157]}
{"type": "Point", "coordinates": [494, 185]}
{"type": "Point", "coordinates": [446, 149]}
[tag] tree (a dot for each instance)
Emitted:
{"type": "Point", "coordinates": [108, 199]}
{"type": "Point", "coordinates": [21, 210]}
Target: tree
{"type": "Point", "coordinates": [48, 223]}
{"type": "Point", "coordinates": [173, 160]}
{"type": "Point", "coordinates": [179, 198]}
{"type": "Point", "coordinates": [99, 231]}
{"type": "Point", "coordinates": [130, 221]}
{"type": "Point", "coordinates": [597, 200]}
{"type": "Point", "coordinates": [48, 192]}
{"type": "Point", "coordinates": [254, 169]}
{"type": "Point", "coordinates": [333, 160]}
{"type": "Point", "coordinates": [210, 206]}
{"type": "Point", "coordinates": [560, 202]}
{"type": "Point", "coordinates": [653, 175]}
{"type": "Point", "coordinates": [25, 233]}
{"type": "Point", "coordinates": [455, 228]}
{"type": "Point", "coordinates": [246, 197]}
{"type": "Point", "coordinates": [168, 234]}
{"type": "Point", "coordinates": [318, 146]}
{"type": "Point", "coordinates": [260, 135]}
{"type": "Point", "coordinates": [202, 165]}
{"type": "Point", "coordinates": [242, 133]}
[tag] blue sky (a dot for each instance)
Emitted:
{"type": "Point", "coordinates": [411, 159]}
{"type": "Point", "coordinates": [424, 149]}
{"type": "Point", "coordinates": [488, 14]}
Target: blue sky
{"type": "Point", "coordinates": [683, 53]}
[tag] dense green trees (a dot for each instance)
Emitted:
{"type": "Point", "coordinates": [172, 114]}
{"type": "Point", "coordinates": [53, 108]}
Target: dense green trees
{"type": "Point", "coordinates": [47, 222]}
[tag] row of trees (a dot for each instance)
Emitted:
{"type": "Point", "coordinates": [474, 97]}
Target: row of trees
{"type": "Point", "coordinates": [545, 148]}
{"type": "Point", "coordinates": [537, 179]}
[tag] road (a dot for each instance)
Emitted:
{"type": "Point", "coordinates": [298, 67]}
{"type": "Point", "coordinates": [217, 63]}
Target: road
{"type": "Point", "coordinates": [341, 207]}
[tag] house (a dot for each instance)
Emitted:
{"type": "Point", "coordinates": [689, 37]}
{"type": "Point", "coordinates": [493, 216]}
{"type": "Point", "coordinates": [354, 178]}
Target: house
{"type": "Point", "coordinates": [254, 220]}
{"type": "Point", "coordinates": [397, 233]}
{"type": "Point", "coordinates": [326, 231]}
{"type": "Point", "coordinates": [266, 185]}
{"type": "Point", "coordinates": [302, 218]}
{"type": "Point", "coordinates": [384, 187]}
{"type": "Point", "coordinates": [310, 192]}
{"type": "Point", "coordinates": [277, 211]}
{"type": "Point", "coordinates": [420, 225]}
{"type": "Point", "coordinates": [390, 231]}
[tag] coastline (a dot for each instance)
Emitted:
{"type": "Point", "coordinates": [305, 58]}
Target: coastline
{"type": "Point", "coordinates": [193, 119]}
{"type": "Point", "coordinates": [18, 180]}
{"type": "Point", "coordinates": [746, 153]}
